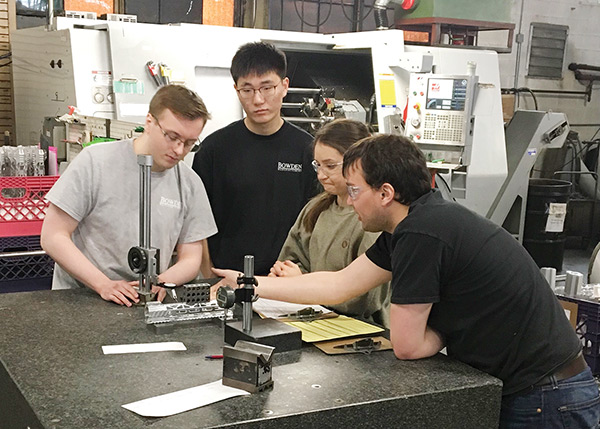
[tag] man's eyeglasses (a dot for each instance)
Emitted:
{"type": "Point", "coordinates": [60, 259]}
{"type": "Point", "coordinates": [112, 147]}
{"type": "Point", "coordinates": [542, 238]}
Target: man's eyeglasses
{"type": "Point", "coordinates": [327, 168]}
{"type": "Point", "coordinates": [353, 192]}
{"type": "Point", "coordinates": [266, 91]}
{"type": "Point", "coordinates": [192, 145]}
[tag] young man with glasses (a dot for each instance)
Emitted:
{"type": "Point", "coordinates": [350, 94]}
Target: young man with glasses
{"type": "Point", "coordinates": [458, 280]}
{"type": "Point", "coordinates": [256, 170]}
{"type": "Point", "coordinates": [93, 218]}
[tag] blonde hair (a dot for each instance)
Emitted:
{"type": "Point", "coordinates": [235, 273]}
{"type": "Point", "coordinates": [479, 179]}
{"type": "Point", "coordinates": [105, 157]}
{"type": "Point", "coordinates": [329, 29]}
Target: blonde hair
{"type": "Point", "coordinates": [181, 101]}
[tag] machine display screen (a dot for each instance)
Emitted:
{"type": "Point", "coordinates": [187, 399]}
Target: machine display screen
{"type": "Point", "coordinates": [446, 94]}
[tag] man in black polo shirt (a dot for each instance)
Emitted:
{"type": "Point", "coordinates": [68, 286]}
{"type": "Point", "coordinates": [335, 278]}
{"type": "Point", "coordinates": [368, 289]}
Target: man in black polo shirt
{"type": "Point", "coordinates": [458, 280]}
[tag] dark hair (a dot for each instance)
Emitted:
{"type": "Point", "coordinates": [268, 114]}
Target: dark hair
{"type": "Point", "coordinates": [181, 101]}
{"type": "Point", "coordinates": [258, 58]}
{"type": "Point", "coordinates": [340, 135]}
{"type": "Point", "coordinates": [392, 159]}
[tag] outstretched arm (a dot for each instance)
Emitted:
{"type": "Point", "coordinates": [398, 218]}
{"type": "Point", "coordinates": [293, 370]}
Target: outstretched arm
{"type": "Point", "coordinates": [326, 288]}
{"type": "Point", "coordinates": [56, 241]}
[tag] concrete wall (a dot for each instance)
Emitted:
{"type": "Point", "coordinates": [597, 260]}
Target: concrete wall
{"type": "Point", "coordinates": [583, 46]}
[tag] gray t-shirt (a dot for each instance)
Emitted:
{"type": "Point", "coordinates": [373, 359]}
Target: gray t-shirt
{"type": "Point", "coordinates": [100, 189]}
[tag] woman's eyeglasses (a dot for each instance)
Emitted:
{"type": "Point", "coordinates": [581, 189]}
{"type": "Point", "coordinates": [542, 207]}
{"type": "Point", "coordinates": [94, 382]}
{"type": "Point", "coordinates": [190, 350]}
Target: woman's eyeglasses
{"type": "Point", "coordinates": [326, 168]}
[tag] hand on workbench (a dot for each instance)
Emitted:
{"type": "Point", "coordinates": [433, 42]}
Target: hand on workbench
{"type": "Point", "coordinates": [119, 291]}
{"type": "Point", "coordinates": [285, 269]}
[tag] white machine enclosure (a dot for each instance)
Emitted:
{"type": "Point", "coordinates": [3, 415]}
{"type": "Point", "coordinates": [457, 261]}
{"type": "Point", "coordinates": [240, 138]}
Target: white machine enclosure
{"type": "Point", "coordinates": [57, 69]}
{"type": "Point", "coordinates": [104, 75]}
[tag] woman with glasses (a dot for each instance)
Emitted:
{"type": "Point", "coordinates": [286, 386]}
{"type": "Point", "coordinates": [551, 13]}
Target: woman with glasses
{"type": "Point", "coordinates": [327, 235]}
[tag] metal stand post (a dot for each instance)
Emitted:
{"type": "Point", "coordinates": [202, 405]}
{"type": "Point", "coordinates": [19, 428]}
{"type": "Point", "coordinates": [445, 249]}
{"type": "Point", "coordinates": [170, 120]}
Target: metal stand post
{"type": "Point", "coordinates": [269, 332]}
{"type": "Point", "coordinates": [145, 163]}
{"type": "Point", "coordinates": [249, 287]}
{"type": "Point", "coordinates": [143, 259]}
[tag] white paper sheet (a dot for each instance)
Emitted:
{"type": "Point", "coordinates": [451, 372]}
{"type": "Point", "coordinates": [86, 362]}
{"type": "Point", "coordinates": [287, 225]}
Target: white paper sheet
{"type": "Point", "coordinates": [144, 348]}
{"type": "Point", "coordinates": [275, 309]}
{"type": "Point", "coordinates": [184, 400]}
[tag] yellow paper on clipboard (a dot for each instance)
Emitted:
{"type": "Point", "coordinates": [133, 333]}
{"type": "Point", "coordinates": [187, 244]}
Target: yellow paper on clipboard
{"type": "Point", "coordinates": [334, 328]}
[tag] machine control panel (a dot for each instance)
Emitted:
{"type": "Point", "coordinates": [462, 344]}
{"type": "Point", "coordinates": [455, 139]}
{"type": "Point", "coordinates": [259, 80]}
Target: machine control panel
{"type": "Point", "coordinates": [440, 109]}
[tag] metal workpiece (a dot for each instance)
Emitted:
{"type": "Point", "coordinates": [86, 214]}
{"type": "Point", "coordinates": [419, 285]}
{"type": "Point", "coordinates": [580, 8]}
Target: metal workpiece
{"type": "Point", "coordinates": [248, 366]}
{"type": "Point", "coordinates": [549, 274]}
{"type": "Point", "coordinates": [156, 312]}
{"type": "Point", "coordinates": [194, 293]}
{"type": "Point", "coordinates": [192, 303]}
{"type": "Point", "coordinates": [573, 283]}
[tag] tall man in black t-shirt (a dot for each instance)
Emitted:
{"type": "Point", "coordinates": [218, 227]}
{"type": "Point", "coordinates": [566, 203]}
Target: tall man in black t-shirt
{"type": "Point", "coordinates": [257, 170]}
{"type": "Point", "coordinates": [458, 280]}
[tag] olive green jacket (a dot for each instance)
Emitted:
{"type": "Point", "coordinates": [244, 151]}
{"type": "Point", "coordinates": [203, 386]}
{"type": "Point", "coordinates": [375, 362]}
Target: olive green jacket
{"type": "Point", "coordinates": [335, 242]}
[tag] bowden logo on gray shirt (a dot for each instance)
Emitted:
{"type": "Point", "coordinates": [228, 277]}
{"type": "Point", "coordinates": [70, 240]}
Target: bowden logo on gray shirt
{"type": "Point", "coordinates": [167, 202]}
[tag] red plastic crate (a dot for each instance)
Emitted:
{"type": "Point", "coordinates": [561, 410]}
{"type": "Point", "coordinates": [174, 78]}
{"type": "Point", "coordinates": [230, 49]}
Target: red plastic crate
{"type": "Point", "coordinates": [23, 204]}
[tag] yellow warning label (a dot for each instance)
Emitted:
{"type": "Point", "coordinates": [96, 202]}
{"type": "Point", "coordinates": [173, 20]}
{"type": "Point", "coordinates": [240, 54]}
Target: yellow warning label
{"type": "Point", "coordinates": [387, 89]}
